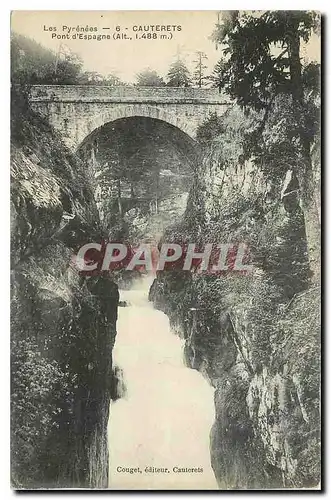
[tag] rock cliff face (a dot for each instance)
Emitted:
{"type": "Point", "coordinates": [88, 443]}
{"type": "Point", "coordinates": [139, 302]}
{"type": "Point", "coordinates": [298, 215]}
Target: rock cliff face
{"type": "Point", "coordinates": [63, 325]}
{"type": "Point", "coordinates": [254, 336]}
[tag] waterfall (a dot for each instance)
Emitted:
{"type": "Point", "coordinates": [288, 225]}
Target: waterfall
{"type": "Point", "coordinates": [159, 430]}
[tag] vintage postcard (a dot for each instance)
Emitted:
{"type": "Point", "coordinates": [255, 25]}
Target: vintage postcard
{"type": "Point", "coordinates": [165, 245]}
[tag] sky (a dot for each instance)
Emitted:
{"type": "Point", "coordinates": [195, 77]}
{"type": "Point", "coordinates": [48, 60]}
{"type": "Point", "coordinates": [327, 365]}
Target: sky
{"type": "Point", "coordinates": [124, 57]}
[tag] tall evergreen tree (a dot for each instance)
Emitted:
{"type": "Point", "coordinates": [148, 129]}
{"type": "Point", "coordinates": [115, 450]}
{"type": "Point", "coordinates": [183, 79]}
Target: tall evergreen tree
{"type": "Point", "coordinates": [199, 75]}
{"type": "Point", "coordinates": [178, 74]}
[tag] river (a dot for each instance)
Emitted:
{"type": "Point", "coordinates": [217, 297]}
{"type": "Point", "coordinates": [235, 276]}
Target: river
{"type": "Point", "coordinates": [165, 416]}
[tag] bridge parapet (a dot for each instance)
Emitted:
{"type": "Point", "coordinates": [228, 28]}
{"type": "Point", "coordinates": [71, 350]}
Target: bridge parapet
{"type": "Point", "coordinates": [126, 94]}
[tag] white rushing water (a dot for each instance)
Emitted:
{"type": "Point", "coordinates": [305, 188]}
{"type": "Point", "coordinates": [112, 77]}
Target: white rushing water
{"type": "Point", "coordinates": [165, 417]}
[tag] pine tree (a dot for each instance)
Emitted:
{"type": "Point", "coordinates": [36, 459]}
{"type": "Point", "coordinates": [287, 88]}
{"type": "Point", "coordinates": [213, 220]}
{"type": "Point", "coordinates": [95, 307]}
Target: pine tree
{"type": "Point", "coordinates": [199, 76]}
{"type": "Point", "coordinates": [178, 74]}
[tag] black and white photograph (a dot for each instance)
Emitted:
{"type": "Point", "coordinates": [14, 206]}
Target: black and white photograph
{"type": "Point", "coordinates": [165, 220]}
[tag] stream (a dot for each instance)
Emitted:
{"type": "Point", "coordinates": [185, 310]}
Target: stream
{"type": "Point", "coordinates": [160, 426]}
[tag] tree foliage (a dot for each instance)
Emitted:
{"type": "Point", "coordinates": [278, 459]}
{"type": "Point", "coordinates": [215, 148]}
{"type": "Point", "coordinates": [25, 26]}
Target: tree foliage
{"type": "Point", "coordinates": [31, 63]}
{"type": "Point", "coordinates": [94, 78]}
{"type": "Point", "coordinates": [262, 70]}
{"type": "Point", "coordinates": [149, 78]}
{"type": "Point", "coordinates": [178, 74]}
{"type": "Point", "coordinates": [258, 51]}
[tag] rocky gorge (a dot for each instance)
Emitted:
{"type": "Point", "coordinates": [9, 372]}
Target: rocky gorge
{"type": "Point", "coordinates": [95, 388]}
{"type": "Point", "coordinates": [254, 336]}
{"type": "Point", "coordinates": [63, 325]}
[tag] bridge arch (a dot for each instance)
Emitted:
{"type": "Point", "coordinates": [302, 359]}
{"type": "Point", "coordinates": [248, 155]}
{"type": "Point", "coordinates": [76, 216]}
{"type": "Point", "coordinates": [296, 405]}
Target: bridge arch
{"type": "Point", "coordinates": [134, 110]}
{"type": "Point", "coordinates": [75, 111]}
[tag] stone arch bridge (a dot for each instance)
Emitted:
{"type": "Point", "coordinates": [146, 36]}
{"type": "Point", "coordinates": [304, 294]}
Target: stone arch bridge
{"type": "Point", "coordinates": [77, 110]}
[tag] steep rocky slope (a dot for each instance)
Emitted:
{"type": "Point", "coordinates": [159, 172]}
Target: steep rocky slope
{"type": "Point", "coordinates": [254, 336]}
{"type": "Point", "coordinates": [63, 325]}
